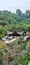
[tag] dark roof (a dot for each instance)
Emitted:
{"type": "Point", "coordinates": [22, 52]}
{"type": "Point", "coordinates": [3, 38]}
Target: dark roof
{"type": "Point", "coordinates": [8, 32]}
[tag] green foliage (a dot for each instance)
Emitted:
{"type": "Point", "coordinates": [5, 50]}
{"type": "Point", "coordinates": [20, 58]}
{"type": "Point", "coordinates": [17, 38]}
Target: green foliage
{"type": "Point", "coordinates": [28, 46]}
{"type": "Point", "coordinates": [23, 45]}
{"type": "Point", "coordinates": [2, 32]}
{"type": "Point", "coordinates": [1, 54]}
{"type": "Point", "coordinates": [1, 58]}
{"type": "Point", "coordinates": [14, 21]}
{"type": "Point", "coordinates": [25, 58]}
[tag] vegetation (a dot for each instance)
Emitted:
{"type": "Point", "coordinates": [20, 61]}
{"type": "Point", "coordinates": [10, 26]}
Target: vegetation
{"type": "Point", "coordinates": [1, 58]}
{"type": "Point", "coordinates": [24, 59]}
{"type": "Point", "coordinates": [1, 45]}
{"type": "Point", "coordinates": [2, 31]}
{"type": "Point", "coordinates": [19, 21]}
{"type": "Point", "coordinates": [16, 21]}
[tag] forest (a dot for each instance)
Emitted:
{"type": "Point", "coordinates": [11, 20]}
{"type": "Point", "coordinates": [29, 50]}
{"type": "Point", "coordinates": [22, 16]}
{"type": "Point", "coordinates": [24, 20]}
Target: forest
{"type": "Point", "coordinates": [15, 21]}
{"type": "Point", "coordinates": [10, 22]}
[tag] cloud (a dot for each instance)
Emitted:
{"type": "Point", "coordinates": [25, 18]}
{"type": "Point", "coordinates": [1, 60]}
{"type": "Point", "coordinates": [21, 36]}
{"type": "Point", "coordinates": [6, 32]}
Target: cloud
{"type": "Point", "coordinates": [14, 4]}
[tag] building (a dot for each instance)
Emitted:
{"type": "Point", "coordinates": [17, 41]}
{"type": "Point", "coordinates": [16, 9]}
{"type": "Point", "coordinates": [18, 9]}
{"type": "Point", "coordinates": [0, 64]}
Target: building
{"type": "Point", "coordinates": [15, 33]}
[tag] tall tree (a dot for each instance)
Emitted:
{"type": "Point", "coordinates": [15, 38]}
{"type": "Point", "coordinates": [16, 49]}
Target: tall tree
{"type": "Point", "coordinates": [18, 11]}
{"type": "Point", "coordinates": [27, 13]}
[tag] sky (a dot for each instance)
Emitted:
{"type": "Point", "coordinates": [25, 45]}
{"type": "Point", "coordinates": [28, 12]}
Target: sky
{"type": "Point", "coordinates": [13, 5]}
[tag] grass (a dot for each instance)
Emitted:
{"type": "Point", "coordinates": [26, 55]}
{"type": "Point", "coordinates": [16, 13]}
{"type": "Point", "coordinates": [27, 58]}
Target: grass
{"type": "Point", "coordinates": [1, 45]}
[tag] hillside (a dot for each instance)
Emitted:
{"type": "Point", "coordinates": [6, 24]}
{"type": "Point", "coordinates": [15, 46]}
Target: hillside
{"type": "Point", "coordinates": [14, 49]}
{"type": "Point", "coordinates": [15, 21]}
{"type": "Point", "coordinates": [8, 16]}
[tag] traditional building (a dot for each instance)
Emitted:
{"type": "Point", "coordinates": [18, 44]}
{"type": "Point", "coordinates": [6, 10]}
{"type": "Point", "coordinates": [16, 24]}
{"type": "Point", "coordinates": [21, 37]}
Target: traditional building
{"type": "Point", "coordinates": [15, 33]}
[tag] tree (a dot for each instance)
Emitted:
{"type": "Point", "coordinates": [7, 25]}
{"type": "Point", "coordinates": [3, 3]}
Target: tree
{"type": "Point", "coordinates": [2, 32]}
{"type": "Point", "coordinates": [18, 11]}
{"type": "Point", "coordinates": [27, 13]}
